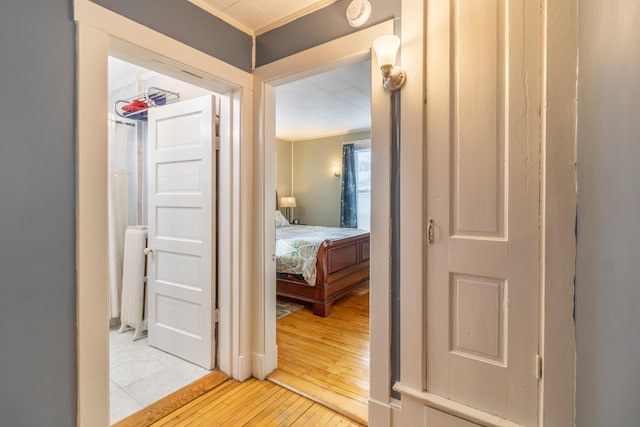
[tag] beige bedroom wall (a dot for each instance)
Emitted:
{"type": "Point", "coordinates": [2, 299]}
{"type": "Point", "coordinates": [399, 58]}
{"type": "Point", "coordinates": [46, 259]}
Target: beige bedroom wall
{"type": "Point", "coordinates": [316, 190]}
{"type": "Point", "coordinates": [283, 167]}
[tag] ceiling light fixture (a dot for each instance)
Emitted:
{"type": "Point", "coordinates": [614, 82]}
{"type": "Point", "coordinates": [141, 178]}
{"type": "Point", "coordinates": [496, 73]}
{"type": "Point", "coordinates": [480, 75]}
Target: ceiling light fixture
{"type": "Point", "coordinates": [386, 49]}
{"type": "Point", "coordinates": [358, 13]}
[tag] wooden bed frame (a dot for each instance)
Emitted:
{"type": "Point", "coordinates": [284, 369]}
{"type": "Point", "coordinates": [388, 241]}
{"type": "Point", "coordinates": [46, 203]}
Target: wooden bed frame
{"type": "Point", "coordinates": [341, 265]}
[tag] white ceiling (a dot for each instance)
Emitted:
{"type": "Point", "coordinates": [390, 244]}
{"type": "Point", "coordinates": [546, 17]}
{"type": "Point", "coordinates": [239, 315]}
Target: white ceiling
{"type": "Point", "coordinates": [257, 16]}
{"type": "Point", "coordinates": [122, 73]}
{"type": "Point", "coordinates": [332, 103]}
{"type": "Point", "coordinates": [327, 104]}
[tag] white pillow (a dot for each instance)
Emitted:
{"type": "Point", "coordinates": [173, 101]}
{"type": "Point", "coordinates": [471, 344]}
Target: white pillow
{"type": "Point", "coordinates": [281, 221]}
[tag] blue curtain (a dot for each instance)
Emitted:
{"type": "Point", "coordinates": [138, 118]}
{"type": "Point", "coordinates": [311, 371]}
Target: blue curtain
{"type": "Point", "coordinates": [348, 201]}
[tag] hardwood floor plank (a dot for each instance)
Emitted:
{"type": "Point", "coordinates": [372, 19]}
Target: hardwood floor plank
{"type": "Point", "coordinates": [289, 415]}
{"type": "Point", "coordinates": [355, 409]}
{"type": "Point", "coordinates": [198, 406]}
{"type": "Point", "coordinates": [327, 359]}
{"type": "Point", "coordinates": [227, 406]}
{"type": "Point", "coordinates": [251, 412]}
{"type": "Point", "coordinates": [211, 402]}
{"type": "Point", "coordinates": [276, 411]}
{"type": "Point", "coordinates": [174, 401]}
{"type": "Point", "coordinates": [237, 407]}
{"type": "Point", "coordinates": [320, 416]}
{"type": "Point", "coordinates": [309, 416]}
{"type": "Point", "coordinates": [253, 403]}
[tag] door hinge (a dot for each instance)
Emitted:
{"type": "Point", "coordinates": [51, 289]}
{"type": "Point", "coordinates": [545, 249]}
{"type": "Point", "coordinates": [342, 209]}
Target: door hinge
{"type": "Point", "coordinates": [538, 367]}
{"type": "Point", "coordinates": [216, 316]}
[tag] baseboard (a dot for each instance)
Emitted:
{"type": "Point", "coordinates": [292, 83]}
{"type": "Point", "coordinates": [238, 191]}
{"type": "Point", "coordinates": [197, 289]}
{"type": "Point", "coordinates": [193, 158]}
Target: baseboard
{"type": "Point", "coordinates": [114, 322]}
{"type": "Point", "coordinates": [244, 368]}
{"type": "Point", "coordinates": [396, 412]}
{"type": "Point", "coordinates": [258, 366]}
{"type": "Point", "coordinates": [379, 414]}
{"type": "Point", "coordinates": [261, 366]}
{"type": "Point", "coordinates": [419, 401]}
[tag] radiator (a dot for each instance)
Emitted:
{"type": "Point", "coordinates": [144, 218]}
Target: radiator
{"type": "Point", "coordinates": [132, 311]}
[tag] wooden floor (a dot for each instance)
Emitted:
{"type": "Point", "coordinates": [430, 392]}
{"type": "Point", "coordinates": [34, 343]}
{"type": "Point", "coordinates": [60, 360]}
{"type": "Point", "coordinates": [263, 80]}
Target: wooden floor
{"type": "Point", "coordinates": [322, 379]}
{"type": "Point", "coordinates": [327, 359]}
{"type": "Point", "coordinates": [231, 403]}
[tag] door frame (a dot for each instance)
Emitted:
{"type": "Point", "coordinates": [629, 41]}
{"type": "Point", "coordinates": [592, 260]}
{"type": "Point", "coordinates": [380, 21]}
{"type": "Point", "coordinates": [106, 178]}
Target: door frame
{"type": "Point", "coordinates": [557, 346]}
{"type": "Point", "coordinates": [344, 50]}
{"type": "Point", "coordinates": [101, 33]}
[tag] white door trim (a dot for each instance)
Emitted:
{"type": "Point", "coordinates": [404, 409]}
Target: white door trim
{"type": "Point", "coordinates": [557, 328]}
{"type": "Point", "coordinates": [101, 33]}
{"type": "Point", "coordinates": [321, 58]}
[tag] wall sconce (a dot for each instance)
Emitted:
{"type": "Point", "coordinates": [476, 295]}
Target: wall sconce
{"type": "Point", "coordinates": [336, 172]}
{"type": "Point", "coordinates": [386, 49]}
{"type": "Point", "coordinates": [288, 203]}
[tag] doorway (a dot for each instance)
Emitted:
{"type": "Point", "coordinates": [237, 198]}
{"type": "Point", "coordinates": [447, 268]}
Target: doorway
{"type": "Point", "coordinates": [148, 189]}
{"type": "Point", "coordinates": [347, 50]}
{"type": "Point", "coordinates": [99, 36]}
{"type": "Point", "coordinates": [323, 146]}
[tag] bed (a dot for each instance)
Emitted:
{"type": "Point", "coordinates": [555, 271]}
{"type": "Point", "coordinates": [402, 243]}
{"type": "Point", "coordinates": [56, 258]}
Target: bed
{"type": "Point", "coordinates": [318, 265]}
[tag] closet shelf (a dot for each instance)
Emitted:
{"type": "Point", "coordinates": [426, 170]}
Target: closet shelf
{"type": "Point", "coordinates": [136, 108]}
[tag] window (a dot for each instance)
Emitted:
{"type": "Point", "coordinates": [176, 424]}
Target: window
{"type": "Point", "coordinates": [363, 184]}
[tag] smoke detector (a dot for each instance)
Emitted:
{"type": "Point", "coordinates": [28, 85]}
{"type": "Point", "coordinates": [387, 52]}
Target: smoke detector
{"type": "Point", "coordinates": [358, 13]}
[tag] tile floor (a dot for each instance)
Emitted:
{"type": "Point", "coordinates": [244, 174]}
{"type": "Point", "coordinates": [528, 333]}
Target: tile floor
{"type": "Point", "coordinates": [141, 374]}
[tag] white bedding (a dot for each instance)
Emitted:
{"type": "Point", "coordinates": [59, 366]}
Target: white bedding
{"type": "Point", "coordinates": [297, 247]}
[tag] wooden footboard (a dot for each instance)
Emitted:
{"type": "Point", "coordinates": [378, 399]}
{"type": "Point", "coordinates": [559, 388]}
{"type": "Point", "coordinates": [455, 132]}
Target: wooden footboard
{"type": "Point", "coordinates": [341, 265]}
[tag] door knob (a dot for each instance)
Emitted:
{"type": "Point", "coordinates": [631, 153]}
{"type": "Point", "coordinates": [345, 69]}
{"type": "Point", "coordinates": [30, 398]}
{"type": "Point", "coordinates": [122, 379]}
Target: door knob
{"type": "Point", "coordinates": [150, 251]}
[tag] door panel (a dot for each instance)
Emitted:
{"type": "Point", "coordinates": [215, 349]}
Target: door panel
{"type": "Point", "coordinates": [478, 103]}
{"type": "Point", "coordinates": [181, 292]}
{"type": "Point", "coordinates": [483, 185]}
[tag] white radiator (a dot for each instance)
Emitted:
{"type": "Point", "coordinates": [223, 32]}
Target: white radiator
{"type": "Point", "coordinates": [132, 312]}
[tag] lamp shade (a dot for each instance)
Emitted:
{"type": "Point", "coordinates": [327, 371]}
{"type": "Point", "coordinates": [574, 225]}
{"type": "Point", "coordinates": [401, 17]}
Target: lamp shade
{"type": "Point", "coordinates": [386, 48]}
{"type": "Point", "coordinates": [287, 202]}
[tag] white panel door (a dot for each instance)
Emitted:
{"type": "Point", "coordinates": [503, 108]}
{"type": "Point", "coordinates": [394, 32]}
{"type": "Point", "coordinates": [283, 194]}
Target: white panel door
{"type": "Point", "coordinates": [181, 268]}
{"type": "Point", "coordinates": [483, 160]}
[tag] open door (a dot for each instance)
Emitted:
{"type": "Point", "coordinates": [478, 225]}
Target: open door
{"type": "Point", "coordinates": [181, 265]}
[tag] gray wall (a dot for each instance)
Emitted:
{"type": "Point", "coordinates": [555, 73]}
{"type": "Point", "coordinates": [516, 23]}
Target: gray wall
{"type": "Point", "coordinates": [319, 27]}
{"type": "Point", "coordinates": [185, 22]}
{"type": "Point", "coordinates": [37, 214]}
{"type": "Point", "coordinates": [608, 267]}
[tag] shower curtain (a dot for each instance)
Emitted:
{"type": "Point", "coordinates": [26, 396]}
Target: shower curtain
{"type": "Point", "coordinates": [122, 167]}
{"type": "Point", "coordinates": [118, 213]}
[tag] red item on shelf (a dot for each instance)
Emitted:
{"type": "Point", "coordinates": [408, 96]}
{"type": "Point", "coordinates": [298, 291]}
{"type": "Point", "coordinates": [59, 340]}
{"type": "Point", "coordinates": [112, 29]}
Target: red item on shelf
{"type": "Point", "coordinates": [136, 105]}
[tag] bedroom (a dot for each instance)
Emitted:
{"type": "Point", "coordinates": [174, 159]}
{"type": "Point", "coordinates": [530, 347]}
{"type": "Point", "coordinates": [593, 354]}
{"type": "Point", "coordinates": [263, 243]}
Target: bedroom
{"type": "Point", "coordinates": [321, 121]}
